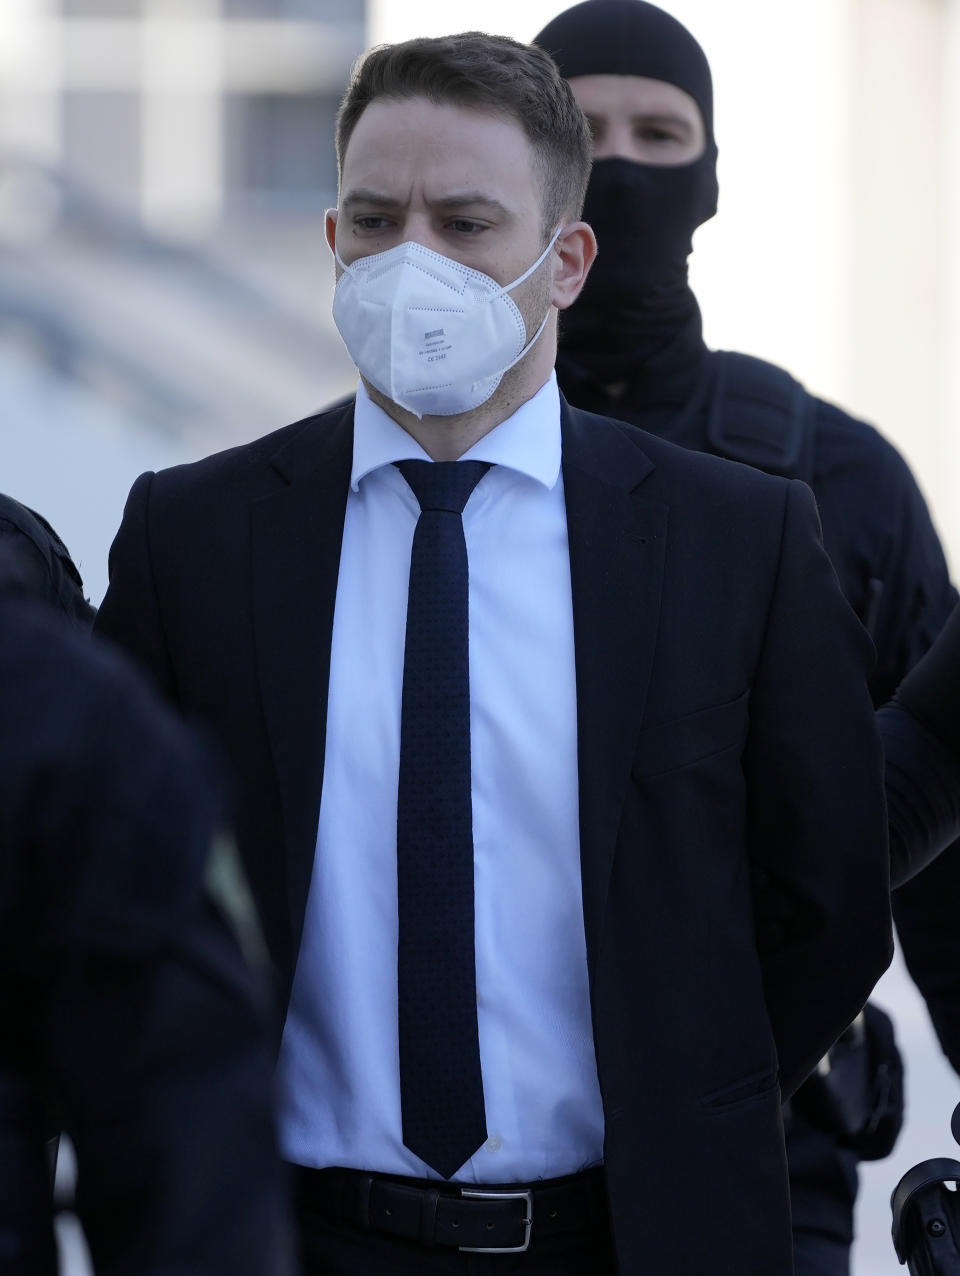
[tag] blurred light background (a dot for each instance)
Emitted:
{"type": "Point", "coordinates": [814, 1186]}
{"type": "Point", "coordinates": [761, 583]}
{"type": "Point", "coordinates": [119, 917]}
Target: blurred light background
{"type": "Point", "coordinates": [165, 287]}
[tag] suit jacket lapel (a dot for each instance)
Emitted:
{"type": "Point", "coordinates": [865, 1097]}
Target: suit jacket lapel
{"type": "Point", "coordinates": [297, 533]}
{"type": "Point", "coordinates": [617, 536]}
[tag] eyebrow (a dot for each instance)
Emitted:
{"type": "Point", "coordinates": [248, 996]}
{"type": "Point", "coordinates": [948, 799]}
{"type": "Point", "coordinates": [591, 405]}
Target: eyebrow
{"type": "Point", "coordinates": [459, 199]}
{"type": "Point", "coordinates": [471, 199]}
{"type": "Point", "coordinates": [371, 197]}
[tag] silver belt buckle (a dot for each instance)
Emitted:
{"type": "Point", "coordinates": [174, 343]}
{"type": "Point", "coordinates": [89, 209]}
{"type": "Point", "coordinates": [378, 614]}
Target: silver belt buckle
{"type": "Point", "coordinates": [475, 1194]}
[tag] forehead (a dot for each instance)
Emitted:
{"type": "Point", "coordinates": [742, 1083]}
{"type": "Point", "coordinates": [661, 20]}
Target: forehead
{"type": "Point", "coordinates": [629, 95]}
{"type": "Point", "coordinates": [413, 144]}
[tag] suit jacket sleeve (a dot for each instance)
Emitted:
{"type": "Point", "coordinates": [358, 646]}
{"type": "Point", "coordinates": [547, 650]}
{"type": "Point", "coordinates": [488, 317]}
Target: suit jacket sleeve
{"type": "Point", "coordinates": [130, 612]}
{"type": "Point", "coordinates": [816, 820]}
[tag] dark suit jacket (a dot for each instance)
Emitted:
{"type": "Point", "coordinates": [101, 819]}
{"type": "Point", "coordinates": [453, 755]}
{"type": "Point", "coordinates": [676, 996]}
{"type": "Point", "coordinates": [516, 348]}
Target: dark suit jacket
{"type": "Point", "coordinates": [732, 829]}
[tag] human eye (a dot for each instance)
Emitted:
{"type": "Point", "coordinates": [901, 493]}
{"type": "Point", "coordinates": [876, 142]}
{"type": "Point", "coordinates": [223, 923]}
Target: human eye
{"type": "Point", "coordinates": [662, 133]}
{"type": "Point", "coordinates": [370, 223]}
{"type": "Point", "coordinates": [466, 226]}
{"type": "Point", "coordinates": [659, 135]}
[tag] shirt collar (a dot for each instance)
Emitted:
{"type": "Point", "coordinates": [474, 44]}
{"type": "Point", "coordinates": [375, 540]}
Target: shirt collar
{"type": "Point", "coordinates": [528, 441]}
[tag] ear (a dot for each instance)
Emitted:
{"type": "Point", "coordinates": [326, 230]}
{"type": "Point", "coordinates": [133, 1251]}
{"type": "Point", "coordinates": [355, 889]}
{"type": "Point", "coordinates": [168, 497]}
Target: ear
{"type": "Point", "coordinates": [330, 228]}
{"type": "Point", "coordinates": [575, 251]}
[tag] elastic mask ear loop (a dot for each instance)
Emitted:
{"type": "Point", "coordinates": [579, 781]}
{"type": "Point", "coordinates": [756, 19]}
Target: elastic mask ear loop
{"type": "Point", "coordinates": [536, 266]}
{"type": "Point", "coordinates": [336, 251]}
{"type": "Point", "coordinates": [341, 263]}
{"type": "Point", "coordinates": [539, 332]}
{"type": "Point", "coordinates": [348, 270]}
{"type": "Point", "coordinates": [530, 344]}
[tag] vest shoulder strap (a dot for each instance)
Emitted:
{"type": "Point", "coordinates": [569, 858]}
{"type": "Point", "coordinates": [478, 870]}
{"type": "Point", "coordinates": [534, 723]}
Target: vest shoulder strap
{"type": "Point", "coordinates": [761, 415]}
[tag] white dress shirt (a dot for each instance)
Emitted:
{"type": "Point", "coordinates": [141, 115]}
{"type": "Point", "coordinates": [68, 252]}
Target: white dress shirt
{"type": "Point", "coordinates": [339, 1071]}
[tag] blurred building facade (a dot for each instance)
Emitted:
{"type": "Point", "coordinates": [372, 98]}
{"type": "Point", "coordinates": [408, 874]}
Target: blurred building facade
{"type": "Point", "coordinates": [186, 111]}
{"type": "Point", "coordinates": [164, 281]}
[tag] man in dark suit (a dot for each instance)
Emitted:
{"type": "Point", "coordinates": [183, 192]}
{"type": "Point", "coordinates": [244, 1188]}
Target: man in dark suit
{"type": "Point", "coordinates": [513, 687]}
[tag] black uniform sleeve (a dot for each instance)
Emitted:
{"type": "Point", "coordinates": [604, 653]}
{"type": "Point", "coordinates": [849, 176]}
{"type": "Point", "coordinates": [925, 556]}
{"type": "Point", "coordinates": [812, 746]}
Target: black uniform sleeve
{"type": "Point", "coordinates": [908, 595]}
{"type": "Point", "coordinates": [151, 1030]}
{"type": "Point", "coordinates": [926, 912]}
{"type": "Point", "coordinates": [924, 908]}
{"type": "Point", "coordinates": [922, 738]}
{"type": "Point", "coordinates": [921, 735]}
{"type": "Point", "coordinates": [931, 691]}
{"type": "Point", "coordinates": [882, 540]}
{"type": "Point", "coordinates": [922, 782]}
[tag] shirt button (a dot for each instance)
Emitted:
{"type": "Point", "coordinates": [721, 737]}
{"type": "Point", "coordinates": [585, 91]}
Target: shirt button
{"type": "Point", "coordinates": [494, 1143]}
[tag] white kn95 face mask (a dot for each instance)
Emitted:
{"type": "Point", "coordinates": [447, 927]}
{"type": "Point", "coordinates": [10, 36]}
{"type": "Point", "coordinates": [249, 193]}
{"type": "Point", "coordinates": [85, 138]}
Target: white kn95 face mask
{"type": "Point", "coordinates": [431, 334]}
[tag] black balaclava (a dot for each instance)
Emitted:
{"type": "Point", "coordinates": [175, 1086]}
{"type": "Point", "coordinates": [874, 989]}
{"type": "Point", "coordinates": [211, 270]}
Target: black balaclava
{"type": "Point", "coordinates": [636, 319]}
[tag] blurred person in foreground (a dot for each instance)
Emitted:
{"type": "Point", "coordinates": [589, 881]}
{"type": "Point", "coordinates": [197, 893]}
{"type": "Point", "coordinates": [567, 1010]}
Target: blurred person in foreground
{"type": "Point", "coordinates": [507, 688]}
{"type": "Point", "coordinates": [44, 566]}
{"type": "Point", "coordinates": [632, 347]}
{"type": "Point", "coordinates": [129, 1010]}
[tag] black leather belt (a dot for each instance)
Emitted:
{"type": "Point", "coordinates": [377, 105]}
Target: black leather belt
{"type": "Point", "coordinates": [501, 1219]}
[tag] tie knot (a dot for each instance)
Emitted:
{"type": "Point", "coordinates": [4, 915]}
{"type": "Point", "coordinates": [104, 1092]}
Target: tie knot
{"type": "Point", "coordinates": [443, 485]}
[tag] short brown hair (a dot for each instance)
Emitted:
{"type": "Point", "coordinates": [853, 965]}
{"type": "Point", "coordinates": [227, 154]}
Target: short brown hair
{"type": "Point", "coordinates": [490, 73]}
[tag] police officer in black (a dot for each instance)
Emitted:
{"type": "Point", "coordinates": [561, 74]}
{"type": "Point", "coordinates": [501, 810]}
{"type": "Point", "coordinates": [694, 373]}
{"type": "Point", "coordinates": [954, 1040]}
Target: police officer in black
{"type": "Point", "coordinates": [44, 566]}
{"type": "Point", "coordinates": [632, 347]}
{"type": "Point", "coordinates": [128, 1006]}
{"type": "Point", "coordinates": [920, 729]}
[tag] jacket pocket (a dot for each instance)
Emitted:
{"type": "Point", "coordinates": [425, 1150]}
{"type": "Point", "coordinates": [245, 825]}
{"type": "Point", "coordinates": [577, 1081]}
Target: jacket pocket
{"type": "Point", "coordinates": [754, 1086]}
{"type": "Point", "coordinates": [669, 746]}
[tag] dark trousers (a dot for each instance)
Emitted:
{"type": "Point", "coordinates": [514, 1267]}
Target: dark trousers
{"type": "Point", "coordinates": [328, 1249]}
{"type": "Point", "coordinates": [823, 1190]}
{"type": "Point", "coordinates": [816, 1255]}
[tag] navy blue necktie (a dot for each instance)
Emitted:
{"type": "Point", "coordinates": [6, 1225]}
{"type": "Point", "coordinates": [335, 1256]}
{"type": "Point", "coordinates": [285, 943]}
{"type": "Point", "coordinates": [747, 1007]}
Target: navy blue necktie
{"type": "Point", "coordinates": [441, 1089]}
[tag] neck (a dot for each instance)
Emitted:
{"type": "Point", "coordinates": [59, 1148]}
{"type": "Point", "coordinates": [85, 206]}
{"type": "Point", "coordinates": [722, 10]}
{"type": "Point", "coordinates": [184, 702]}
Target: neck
{"type": "Point", "coordinates": [447, 438]}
